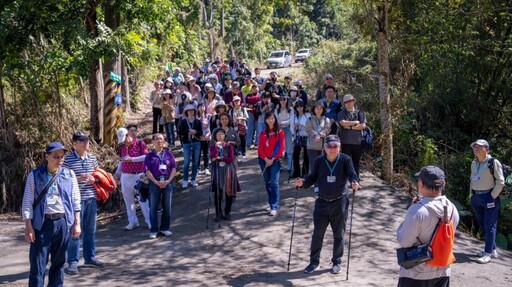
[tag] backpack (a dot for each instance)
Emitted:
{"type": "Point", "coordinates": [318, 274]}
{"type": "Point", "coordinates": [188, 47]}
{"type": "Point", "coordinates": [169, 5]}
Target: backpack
{"type": "Point", "coordinates": [507, 171]}
{"type": "Point", "coordinates": [366, 138]}
{"type": "Point", "coordinates": [442, 241]}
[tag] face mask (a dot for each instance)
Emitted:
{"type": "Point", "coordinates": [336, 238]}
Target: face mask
{"type": "Point", "coordinates": [293, 94]}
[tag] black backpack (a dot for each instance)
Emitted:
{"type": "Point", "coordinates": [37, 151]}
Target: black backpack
{"type": "Point", "coordinates": [507, 171]}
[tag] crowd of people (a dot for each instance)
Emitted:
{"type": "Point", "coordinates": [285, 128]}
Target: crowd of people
{"type": "Point", "coordinates": [220, 111]}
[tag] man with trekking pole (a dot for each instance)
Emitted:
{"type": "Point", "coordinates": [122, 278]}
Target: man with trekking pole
{"type": "Point", "coordinates": [331, 171]}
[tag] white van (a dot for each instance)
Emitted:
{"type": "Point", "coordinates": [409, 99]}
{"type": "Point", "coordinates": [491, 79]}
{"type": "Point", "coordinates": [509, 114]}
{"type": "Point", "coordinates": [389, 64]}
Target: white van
{"type": "Point", "coordinates": [279, 59]}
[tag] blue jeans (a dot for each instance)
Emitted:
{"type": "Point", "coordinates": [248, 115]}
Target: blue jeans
{"type": "Point", "coordinates": [261, 127]}
{"type": "Point", "coordinates": [51, 241]}
{"type": "Point", "coordinates": [88, 216]}
{"type": "Point", "coordinates": [250, 129]}
{"type": "Point", "coordinates": [288, 139]}
{"type": "Point", "coordinates": [169, 130]}
{"type": "Point", "coordinates": [155, 195]}
{"type": "Point", "coordinates": [271, 178]}
{"type": "Point", "coordinates": [486, 212]}
{"type": "Point", "coordinates": [191, 152]}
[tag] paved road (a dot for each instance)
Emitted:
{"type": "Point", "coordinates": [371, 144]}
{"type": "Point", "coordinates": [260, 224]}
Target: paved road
{"type": "Point", "coordinates": [252, 249]}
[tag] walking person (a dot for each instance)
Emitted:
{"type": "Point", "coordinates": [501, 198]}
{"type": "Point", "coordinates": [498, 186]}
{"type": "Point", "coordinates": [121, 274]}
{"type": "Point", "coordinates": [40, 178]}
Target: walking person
{"type": "Point", "coordinates": [331, 172]}
{"type": "Point", "coordinates": [240, 117]}
{"type": "Point", "coordinates": [270, 149]}
{"type": "Point", "coordinates": [317, 127]}
{"type": "Point", "coordinates": [487, 182]}
{"type": "Point", "coordinates": [301, 140]}
{"type": "Point", "coordinates": [52, 220]}
{"type": "Point", "coordinates": [190, 131]}
{"type": "Point", "coordinates": [160, 167]}
{"type": "Point", "coordinates": [155, 98]}
{"type": "Point", "coordinates": [132, 152]}
{"type": "Point", "coordinates": [205, 138]}
{"type": "Point", "coordinates": [225, 180]}
{"type": "Point", "coordinates": [352, 121]}
{"type": "Point", "coordinates": [419, 225]}
{"type": "Point", "coordinates": [286, 118]}
{"type": "Point", "coordinates": [83, 163]}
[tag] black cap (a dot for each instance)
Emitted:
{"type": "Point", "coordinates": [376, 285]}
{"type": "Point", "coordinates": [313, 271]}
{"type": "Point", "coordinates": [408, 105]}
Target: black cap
{"type": "Point", "coordinates": [80, 136]}
{"type": "Point", "coordinates": [332, 139]}
{"type": "Point", "coordinates": [431, 176]}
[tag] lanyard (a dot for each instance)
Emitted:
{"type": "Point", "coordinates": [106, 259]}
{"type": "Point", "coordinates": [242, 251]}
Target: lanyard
{"type": "Point", "coordinates": [85, 164]}
{"type": "Point", "coordinates": [161, 157]}
{"type": "Point", "coordinates": [332, 169]}
{"type": "Point", "coordinates": [221, 152]}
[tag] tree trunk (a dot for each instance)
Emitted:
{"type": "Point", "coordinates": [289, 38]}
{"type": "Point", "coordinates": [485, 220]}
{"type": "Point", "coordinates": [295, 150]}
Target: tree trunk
{"type": "Point", "coordinates": [96, 100]}
{"type": "Point", "coordinates": [3, 117]}
{"type": "Point", "coordinates": [222, 14]}
{"type": "Point", "coordinates": [125, 85]}
{"type": "Point", "coordinates": [385, 111]}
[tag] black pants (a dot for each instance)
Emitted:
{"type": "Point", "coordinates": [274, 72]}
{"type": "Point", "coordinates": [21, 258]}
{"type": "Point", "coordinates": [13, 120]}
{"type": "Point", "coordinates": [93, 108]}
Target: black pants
{"type": "Point", "coordinates": [204, 151]}
{"type": "Point", "coordinates": [297, 170]}
{"type": "Point", "coordinates": [436, 282]}
{"type": "Point", "coordinates": [355, 151]}
{"type": "Point", "coordinates": [157, 113]}
{"type": "Point", "coordinates": [218, 202]}
{"type": "Point", "coordinates": [333, 213]}
{"type": "Point", "coordinates": [243, 144]}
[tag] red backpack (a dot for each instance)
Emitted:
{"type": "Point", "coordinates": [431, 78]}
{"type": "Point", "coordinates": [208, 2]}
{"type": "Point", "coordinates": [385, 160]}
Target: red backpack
{"type": "Point", "coordinates": [442, 241]}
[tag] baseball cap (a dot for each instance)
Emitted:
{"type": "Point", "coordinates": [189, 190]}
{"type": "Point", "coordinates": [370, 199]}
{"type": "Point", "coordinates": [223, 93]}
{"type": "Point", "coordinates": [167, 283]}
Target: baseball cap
{"type": "Point", "coordinates": [167, 91]}
{"type": "Point", "coordinates": [236, 98]}
{"type": "Point", "coordinates": [55, 146]}
{"type": "Point", "coordinates": [80, 136]}
{"type": "Point", "coordinates": [121, 135]}
{"type": "Point", "coordinates": [480, 142]}
{"type": "Point", "coordinates": [431, 176]}
{"type": "Point", "coordinates": [332, 139]}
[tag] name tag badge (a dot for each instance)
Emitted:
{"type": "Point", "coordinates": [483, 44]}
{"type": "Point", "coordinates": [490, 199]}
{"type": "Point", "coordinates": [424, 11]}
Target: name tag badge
{"type": "Point", "coordinates": [162, 167]}
{"type": "Point", "coordinates": [331, 178]}
{"type": "Point", "coordinates": [222, 164]}
{"type": "Point", "coordinates": [475, 177]}
{"type": "Point", "coordinates": [490, 205]}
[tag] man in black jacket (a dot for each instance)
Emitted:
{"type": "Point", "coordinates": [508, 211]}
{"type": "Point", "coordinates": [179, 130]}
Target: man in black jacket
{"type": "Point", "coordinates": [331, 172]}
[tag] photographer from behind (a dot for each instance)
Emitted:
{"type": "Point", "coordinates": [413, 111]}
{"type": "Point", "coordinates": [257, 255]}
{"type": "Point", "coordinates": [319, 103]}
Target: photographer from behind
{"type": "Point", "coordinates": [419, 226]}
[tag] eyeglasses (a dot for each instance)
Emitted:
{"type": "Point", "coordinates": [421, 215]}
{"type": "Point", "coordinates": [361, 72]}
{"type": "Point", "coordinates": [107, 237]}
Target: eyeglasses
{"type": "Point", "coordinates": [332, 146]}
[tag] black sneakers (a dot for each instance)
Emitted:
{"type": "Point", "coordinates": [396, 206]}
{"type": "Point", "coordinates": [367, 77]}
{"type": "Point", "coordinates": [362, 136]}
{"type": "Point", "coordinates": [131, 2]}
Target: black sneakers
{"type": "Point", "coordinates": [311, 268]}
{"type": "Point", "coordinates": [94, 263]}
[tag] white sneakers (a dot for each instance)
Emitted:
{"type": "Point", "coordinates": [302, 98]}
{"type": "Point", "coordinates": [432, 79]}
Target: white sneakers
{"type": "Point", "coordinates": [194, 183]}
{"type": "Point", "coordinates": [485, 258]}
{"type": "Point", "coordinates": [315, 189]}
{"type": "Point", "coordinates": [273, 212]}
{"type": "Point", "coordinates": [244, 159]}
{"type": "Point", "coordinates": [184, 184]}
{"type": "Point", "coordinates": [207, 172]}
{"type": "Point", "coordinates": [131, 226]}
{"type": "Point", "coordinates": [166, 233]}
{"type": "Point", "coordinates": [152, 235]}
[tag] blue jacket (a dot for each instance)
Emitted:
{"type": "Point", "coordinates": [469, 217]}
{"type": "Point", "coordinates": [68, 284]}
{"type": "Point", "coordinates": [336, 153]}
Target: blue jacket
{"type": "Point", "coordinates": [65, 186]}
{"type": "Point", "coordinates": [333, 109]}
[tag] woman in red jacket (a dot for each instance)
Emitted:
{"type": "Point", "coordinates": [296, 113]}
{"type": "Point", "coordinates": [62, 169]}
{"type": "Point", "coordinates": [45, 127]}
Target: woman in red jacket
{"type": "Point", "coordinates": [270, 149]}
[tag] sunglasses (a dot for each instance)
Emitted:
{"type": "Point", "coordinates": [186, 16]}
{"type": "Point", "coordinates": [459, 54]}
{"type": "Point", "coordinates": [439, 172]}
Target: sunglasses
{"type": "Point", "coordinates": [332, 146]}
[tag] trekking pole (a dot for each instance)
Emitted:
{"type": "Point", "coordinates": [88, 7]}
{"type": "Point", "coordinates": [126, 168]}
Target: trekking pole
{"type": "Point", "coordinates": [293, 226]}
{"type": "Point", "coordinates": [210, 195]}
{"type": "Point", "coordinates": [350, 232]}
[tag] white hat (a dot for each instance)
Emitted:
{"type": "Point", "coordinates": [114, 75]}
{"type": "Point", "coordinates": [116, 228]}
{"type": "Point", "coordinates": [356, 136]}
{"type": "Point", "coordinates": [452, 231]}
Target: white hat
{"type": "Point", "coordinates": [480, 142]}
{"type": "Point", "coordinates": [237, 98]}
{"type": "Point", "coordinates": [121, 135]}
{"type": "Point", "coordinates": [188, 108]}
{"type": "Point", "coordinates": [167, 91]}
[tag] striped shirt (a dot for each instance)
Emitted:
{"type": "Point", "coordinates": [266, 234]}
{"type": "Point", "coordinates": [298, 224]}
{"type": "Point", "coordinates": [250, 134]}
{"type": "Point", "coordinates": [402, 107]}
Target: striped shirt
{"type": "Point", "coordinates": [27, 211]}
{"type": "Point", "coordinates": [82, 166]}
